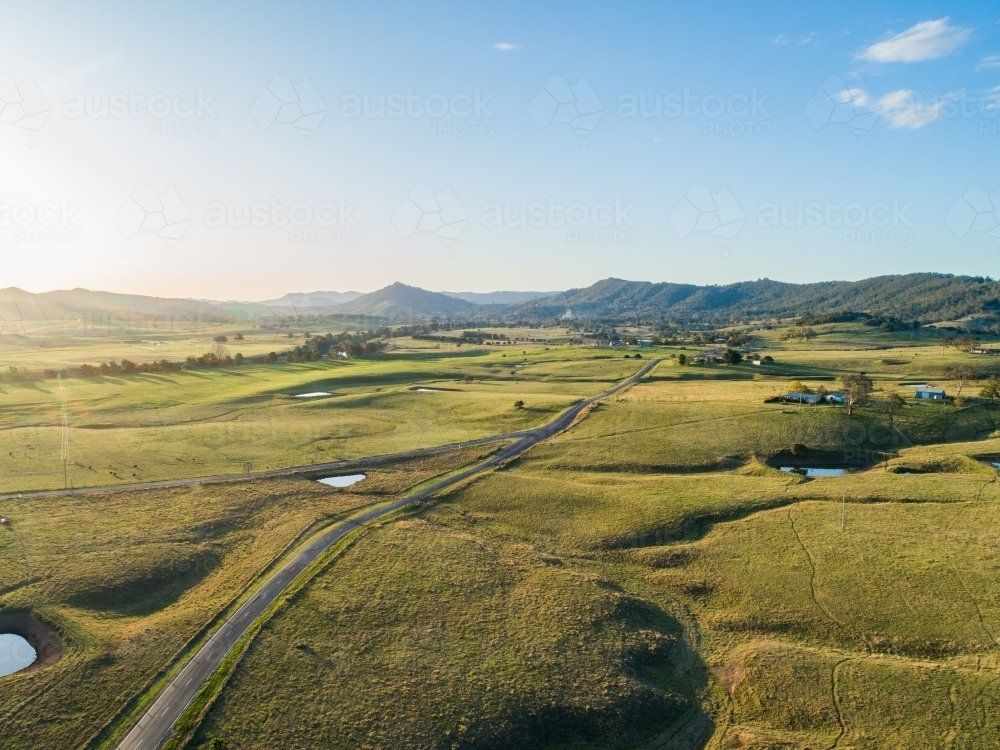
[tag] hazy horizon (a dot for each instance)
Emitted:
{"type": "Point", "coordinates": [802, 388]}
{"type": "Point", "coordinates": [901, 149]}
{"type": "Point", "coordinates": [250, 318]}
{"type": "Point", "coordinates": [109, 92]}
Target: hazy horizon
{"type": "Point", "coordinates": [448, 291]}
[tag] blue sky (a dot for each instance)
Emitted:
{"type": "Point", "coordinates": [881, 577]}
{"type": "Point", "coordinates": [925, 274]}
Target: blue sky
{"type": "Point", "coordinates": [244, 151]}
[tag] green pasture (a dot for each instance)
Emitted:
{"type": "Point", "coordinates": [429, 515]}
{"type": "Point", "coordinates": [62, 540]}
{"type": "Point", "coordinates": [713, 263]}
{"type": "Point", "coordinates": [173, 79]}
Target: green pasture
{"type": "Point", "coordinates": [858, 610]}
{"type": "Point", "coordinates": [127, 579]}
{"type": "Point", "coordinates": [132, 428]}
{"type": "Point", "coordinates": [647, 578]}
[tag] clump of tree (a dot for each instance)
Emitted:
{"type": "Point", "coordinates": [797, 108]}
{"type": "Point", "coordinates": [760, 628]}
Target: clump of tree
{"type": "Point", "coordinates": [966, 343]}
{"type": "Point", "coordinates": [732, 357]}
{"type": "Point", "coordinates": [315, 348]}
{"type": "Point", "coordinates": [797, 386]}
{"type": "Point", "coordinates": [890, 324]}
{"type": "Point", "coordinates": [798, 333]}
{"type": "Point", "coordinates": [991, 391]}
{"type": "Point", "coordinates": [353, 345]}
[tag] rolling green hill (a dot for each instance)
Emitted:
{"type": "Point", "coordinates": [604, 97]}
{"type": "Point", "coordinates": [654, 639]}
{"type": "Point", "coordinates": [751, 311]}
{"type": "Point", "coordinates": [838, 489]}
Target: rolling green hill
{"type": "Point", "coordinates": [927, 297]}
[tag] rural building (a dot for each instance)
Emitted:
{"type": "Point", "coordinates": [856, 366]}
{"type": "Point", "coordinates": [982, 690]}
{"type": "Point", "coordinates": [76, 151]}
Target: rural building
{"type": "Point", "coordinates": [936, 394]}
{"type": "Point", "coordinates": [802, 398]}
{"type": "Point", "coordinates": [834, 398]}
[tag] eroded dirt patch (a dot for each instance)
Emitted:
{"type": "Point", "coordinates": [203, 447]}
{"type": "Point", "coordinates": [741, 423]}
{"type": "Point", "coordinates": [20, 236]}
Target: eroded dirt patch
{"type": "Point", "coordinates": [729, 675]}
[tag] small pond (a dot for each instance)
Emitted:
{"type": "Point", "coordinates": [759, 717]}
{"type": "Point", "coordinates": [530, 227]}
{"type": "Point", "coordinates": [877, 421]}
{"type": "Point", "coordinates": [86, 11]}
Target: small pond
{"type": "Point", "coordinates": [427, 390]}
{"type": "Point", "coordinates": [813, 471]}
{"type": "Point", "coordinates": [15, 654]}
{"type": "Point", "coordinates": [313, 394]}
{"type": "Point", "coordinates": [344, 481]}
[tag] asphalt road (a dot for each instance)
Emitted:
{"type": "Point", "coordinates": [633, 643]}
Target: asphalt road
{"type": "Point", "coordinates": [158, 721]}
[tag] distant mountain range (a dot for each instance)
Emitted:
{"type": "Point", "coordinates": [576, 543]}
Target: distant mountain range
{"type": "Point", "coordinates": [96, 307]}
{"type": "Point", "coordinates": [928, 297]}
{"type": "Point", "coordinates": [498, 298]}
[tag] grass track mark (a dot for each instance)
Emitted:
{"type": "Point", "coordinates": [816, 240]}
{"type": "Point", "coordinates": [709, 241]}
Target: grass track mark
{"type": "Point", "coordinates": [812, 573]}
{"type": "Point", "coordinates": [836, 701]}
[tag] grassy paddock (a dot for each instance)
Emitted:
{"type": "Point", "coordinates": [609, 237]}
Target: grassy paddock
{"type": "Point", "coordinates": [125, 429]}
{"type": "Point", "coordinates": [645, 579]}
{"type": "Point", "coordinates": [129, 578]}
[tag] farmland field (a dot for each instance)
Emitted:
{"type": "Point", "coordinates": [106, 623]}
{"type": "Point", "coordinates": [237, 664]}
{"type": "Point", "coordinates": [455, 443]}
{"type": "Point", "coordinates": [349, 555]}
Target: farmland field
{"type": "Point", "coordinates": [145, 427]}
{"type": "Point", "coordinates": [647, 578]}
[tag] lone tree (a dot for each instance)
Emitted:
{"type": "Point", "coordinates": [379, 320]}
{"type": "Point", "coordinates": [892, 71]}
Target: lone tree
{"type": "Point", "coordinates": [857, 389]}
{"type": "Point", "coordinates": [892, 406]}
{"type": "Point", "coordinates": [682, 359]}
{"type": "Point", "coordinates": [518, 404]}
{"type": "Point", "coordinates": [960, 374]}
{"type": "Point", "coordinates": [991, 390]}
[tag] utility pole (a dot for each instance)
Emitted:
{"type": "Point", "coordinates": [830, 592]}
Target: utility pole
{"type": "Point", "coordinates": [65, 435]}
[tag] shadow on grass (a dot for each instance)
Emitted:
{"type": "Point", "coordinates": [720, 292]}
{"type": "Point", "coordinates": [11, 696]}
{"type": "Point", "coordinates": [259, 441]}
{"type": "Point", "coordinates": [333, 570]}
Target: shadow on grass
{"type": "Point", "coordinates": [655, 695]}
{"type": "Point", "coordinates": [142, 592]}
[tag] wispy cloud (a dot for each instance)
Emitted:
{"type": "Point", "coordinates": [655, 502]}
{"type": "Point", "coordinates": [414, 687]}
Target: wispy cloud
{"type": "Point", "coordinates": [990, 62]}
{"type": "Point", "coordinates": [857, 98]}
{"type": "Point", "coordinates": [806, 39]}
{"type": "Point", "coordinates": [506, 46]}
{"type": "Point", "coordinates": [779, 41]}
{"type": "Point", "coordinates": [903, 109]}
{"type": "Point", "coordinates": [927, 40]}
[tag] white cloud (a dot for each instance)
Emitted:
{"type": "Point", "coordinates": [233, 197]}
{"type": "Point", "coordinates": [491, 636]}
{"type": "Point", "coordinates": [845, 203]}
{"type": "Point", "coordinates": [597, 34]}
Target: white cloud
{"type": "Point", "coordinates": [927, 40]}
{"type": "Point", "coordinates": [506, 46]}
{"type": "Point", "coordinates": [779, 41]}
{"type": "Point", "coordinates": [806, 39]}
{"type": "Point", "coordinates": [857, 98]}
{"type": "Point", "coordinates": [990, 62]}
{"type": "Point", "coordinates": [903, 110]}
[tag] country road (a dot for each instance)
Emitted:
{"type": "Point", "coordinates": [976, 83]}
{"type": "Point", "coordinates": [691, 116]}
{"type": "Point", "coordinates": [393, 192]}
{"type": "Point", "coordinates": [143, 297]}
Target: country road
{"type": "Point", "coordinates": [158, 721]}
